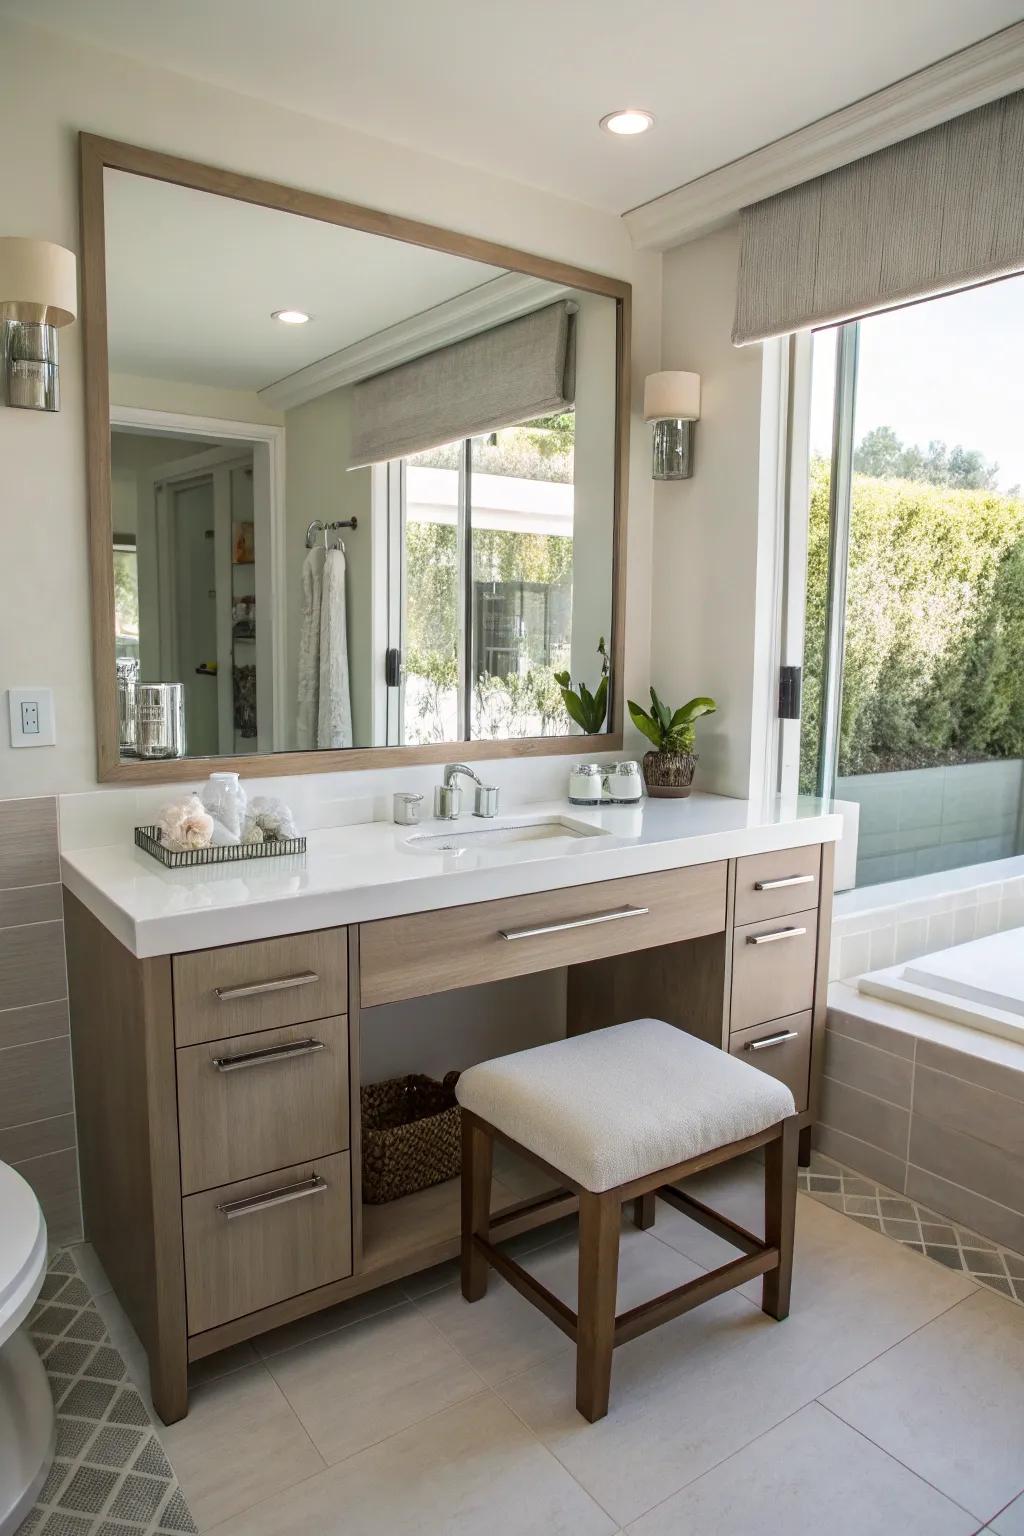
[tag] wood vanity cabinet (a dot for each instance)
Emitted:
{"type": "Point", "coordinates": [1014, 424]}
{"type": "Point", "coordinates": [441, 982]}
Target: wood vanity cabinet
{"type": "Point", "coordinates": [218, 1090]}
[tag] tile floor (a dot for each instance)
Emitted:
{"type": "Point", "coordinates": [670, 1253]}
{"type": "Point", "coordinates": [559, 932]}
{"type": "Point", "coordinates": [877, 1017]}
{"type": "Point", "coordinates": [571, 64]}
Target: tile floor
{"type": "Point", "coordinates": [891, 1400]}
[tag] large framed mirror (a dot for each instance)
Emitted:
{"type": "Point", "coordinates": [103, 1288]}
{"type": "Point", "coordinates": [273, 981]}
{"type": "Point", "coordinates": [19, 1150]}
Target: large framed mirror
{"type": "Point", "coordinates": [356, 484]}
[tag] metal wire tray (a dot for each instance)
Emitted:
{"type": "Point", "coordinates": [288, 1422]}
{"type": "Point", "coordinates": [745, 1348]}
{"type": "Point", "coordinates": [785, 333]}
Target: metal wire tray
{"type": "Point", "coordinates": [148, 839]}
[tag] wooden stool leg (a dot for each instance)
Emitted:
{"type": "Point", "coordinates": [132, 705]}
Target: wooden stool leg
{"type": "Point", "coordinates": [805, 1147]}
{"type": "Point", "coordinates": [643, 1211]}
{"type": "Point", "coordinates": [780, 1164]}
{"type": "Point", "coordinates": [477, 1157]}
{"type": "Point", "coordinates": [600, 1216]}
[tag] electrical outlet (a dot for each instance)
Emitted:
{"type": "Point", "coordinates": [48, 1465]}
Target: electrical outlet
{"type": "Point", "coordinates": [31, 716]}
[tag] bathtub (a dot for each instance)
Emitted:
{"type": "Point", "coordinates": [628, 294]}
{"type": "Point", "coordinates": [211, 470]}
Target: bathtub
{"type": "Point", "coordinates": [980, 984]}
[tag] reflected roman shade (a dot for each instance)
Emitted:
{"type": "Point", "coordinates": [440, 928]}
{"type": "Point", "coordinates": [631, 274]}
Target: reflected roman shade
{"type": "Point", "coordinates": [513, 372]}
{"type": "Point", "coordinates": [936, 212]}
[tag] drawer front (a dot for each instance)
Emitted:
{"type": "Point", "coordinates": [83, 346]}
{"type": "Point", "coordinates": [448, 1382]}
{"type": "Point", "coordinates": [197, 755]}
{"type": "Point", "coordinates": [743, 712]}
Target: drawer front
{"type": "Point", "coordinates": [246, 987]}
{"type": "Point", "coordinates": [775, 884]}
{"type": "Point", "coordinates": [262, 1101]}
{"type": "Point", "coordinates": [782, 1049]}
{"type": "Point", "coordinates": [773, 969]}
{"type": "Point", "coordinates": [435, 951]}
{"type": "Point", "coordinates": [294, 1235]}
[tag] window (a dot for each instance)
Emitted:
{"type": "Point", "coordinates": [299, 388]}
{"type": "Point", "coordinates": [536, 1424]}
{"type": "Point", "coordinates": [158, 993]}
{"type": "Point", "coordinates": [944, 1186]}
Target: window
{"type": "Point", "coordinates": [483, 614]}
{"type": "Point", "coordinates": [126, 595]}
{"type": "Point", "coordinates": [914, 643]}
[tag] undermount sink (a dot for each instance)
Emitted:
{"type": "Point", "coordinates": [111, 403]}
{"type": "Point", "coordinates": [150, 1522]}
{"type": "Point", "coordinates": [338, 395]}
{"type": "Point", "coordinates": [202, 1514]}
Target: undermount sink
{"type": "Point", "coordinates": [544, 829]}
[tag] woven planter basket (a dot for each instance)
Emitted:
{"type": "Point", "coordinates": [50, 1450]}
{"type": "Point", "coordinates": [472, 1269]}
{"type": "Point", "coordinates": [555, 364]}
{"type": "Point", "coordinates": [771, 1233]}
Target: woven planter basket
{"type": "Point", "coordinates": [412, 1136]}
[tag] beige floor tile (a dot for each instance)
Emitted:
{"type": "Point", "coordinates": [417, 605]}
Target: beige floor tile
{"type": "Point", "coordinates": [500, 1335]}
{"type": "Point", "coordinates": [1011, 1521]}
{"type": "Point", "coordinates": [371, 1380]}
{"type": "Point", "coordinates": [433, 1279]}
{"type": "Point", "coordinates": [949, 1402]}
{"type": "Point", "coordinates": [212, 1367]}
{"type": "Point", "coordinates": [332, 1318]}
{"type": "Point", "coordinates": [700, 1388]}
{"type": "Point", "coordinates": [814, 1474]}
{"type": "Point", "coordinates": [471, 1471]}
{"type": "Point", "coordinates": [241, 1443]}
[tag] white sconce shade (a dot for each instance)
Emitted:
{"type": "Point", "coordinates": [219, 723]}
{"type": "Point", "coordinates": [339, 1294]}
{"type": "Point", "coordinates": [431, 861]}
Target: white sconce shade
{"type": "Point", "coordinates": [38, 284]}
{"type": "Point", "coordinates": [672, 396]}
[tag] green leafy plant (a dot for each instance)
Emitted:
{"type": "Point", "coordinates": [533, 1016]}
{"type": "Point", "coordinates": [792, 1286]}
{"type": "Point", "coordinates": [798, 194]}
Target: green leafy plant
{"type": "Point", "coordinates": [586, 708]}
{"type": "Point", "coordinates": [670, 730]}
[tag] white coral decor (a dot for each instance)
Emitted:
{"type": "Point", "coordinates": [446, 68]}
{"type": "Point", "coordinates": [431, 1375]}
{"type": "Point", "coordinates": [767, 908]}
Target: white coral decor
{"type": "Point", "coordinates": [185, 825]}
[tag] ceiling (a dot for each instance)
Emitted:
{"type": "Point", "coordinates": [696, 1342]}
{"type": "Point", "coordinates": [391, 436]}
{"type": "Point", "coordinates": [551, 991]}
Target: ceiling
{"type": "Point", "coordinates": [517, 86]}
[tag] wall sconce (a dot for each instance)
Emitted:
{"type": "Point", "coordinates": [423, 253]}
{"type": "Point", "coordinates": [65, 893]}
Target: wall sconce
{"type": "Point", "coordinates": [38, 293]}
{"type": "Point", "coordinates": [672, 402]}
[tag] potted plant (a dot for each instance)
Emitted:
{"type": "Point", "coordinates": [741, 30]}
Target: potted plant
{"type": "Point", "coordinates": [668, 770]}
{"type": "Point", "coordinates": [586, 708]}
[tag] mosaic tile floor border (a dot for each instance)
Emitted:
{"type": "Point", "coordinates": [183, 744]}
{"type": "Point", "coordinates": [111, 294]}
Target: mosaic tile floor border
{"type": "Point", "coordinates": [915, 1226]}
{"type": "Point", "coordinates": [110, 1476]}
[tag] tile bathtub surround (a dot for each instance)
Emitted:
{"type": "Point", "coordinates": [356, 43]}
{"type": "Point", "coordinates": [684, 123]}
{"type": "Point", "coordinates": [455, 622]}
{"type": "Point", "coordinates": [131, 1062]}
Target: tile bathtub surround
{"type": "Point", "coordinates": [37, 1122]}
{"type": "Point", "coordinates": [930, 1109]}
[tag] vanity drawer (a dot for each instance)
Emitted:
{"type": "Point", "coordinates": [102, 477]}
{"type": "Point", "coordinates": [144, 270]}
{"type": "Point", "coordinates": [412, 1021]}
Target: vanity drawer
{"type": "Point", "coordinates": [260, 1101]}
{"type": "Point", "coordinates": [782, 1049]}
{"type": "Point", "coordinates": [774, 884]}
{"type": "Point", "coordinates": [248, 1245]}
{"type": "Point", "coordinates": [773, 968]}
{"type": "Point", "coordinates": [246, 987]}
{"type": "Point", "coordinates": [459, 946]}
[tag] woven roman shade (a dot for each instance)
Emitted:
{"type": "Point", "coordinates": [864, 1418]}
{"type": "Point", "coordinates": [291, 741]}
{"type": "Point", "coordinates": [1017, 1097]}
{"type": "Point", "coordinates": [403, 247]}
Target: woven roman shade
{"type": "Point", "coordinates": [936, 212]}
{"type": "Point", "coordinates": [513, 372]}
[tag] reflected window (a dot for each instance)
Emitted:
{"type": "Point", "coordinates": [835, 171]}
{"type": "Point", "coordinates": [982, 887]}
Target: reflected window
{"type": "Point", "coordinates": [126, 595]}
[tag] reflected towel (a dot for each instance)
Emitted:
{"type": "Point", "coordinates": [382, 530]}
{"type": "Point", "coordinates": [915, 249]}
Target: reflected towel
{"type": "Point", "coordinates": [308, 689]}
{"type": "Point", "coordinates": [334, 728]}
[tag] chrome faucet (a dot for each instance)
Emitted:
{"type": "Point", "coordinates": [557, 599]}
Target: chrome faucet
{"type": "Point", "coordinates": [448, 794]}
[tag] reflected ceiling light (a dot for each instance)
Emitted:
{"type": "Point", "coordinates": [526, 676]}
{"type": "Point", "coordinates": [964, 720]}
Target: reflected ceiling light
{"type": "Point", "coordinates": [627, 121]}
{"type": "Point", "coordinates": [291, 316]}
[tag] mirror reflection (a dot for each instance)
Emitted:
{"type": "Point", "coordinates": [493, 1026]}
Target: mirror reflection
{"type": "Point", "coordinates": [362, 491]}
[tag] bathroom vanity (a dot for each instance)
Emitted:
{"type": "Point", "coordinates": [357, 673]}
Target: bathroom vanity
{"type": "Point", "coordinates": [217, 1017]}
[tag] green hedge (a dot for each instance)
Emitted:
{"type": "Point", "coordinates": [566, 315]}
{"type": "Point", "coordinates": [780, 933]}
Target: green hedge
{"type": "Point", "coordinates": [934, 665]}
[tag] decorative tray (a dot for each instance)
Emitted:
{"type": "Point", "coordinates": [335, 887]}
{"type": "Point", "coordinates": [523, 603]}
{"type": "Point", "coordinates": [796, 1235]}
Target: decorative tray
{"type": "Point", "coordinates": [148, 839]}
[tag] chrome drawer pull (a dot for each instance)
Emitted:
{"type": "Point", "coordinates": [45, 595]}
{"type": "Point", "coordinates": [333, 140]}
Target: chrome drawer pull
{"type": "Point", "coordinates": [576, 922]}
{"type": "Point", "coordinates": [762, 1045]}
{"type": "Point", "coordinates": [313, 1186]}
{"type": "Point", "coordinates": [279, 984]}
{"type": "Point", "coordinates": [770, 938]}
{"type": "Point", "coordinates": [271, 1053]}
{"type": "Point", "coordinates": [778, 885]}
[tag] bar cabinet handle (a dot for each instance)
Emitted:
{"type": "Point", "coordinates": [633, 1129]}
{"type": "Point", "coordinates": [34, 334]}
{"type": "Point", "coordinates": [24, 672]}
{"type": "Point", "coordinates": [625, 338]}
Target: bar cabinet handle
{"type": "Point", "coordinates": [255, 988]}
{"type": "Point", "coordinates": [778, 885]}
{"type": "Point", "coordinates": [576, 922]}
{"type": "Point", "coordinates": [270, 1053]}
{"type": "Point", "coordinates": [232, 1209]}
{"type": "Point", "coordinates": [762, 1045]}
{"type": "Point", "coordinates": [771, 938]}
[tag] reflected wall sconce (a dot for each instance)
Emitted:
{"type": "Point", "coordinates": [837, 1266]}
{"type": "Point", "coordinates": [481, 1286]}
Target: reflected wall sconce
{"type": "Point", "coordinates": [672, 403]}
{"type": "Point", "coordinates": [38, 294]}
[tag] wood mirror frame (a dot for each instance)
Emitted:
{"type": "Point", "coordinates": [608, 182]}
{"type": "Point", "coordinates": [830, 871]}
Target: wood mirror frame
{"type": "Point", "coordinates": [98, 154]}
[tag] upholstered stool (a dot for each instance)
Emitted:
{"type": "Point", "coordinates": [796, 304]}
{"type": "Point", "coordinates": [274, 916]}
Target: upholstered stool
{"type": "Point", "coordinates": [623, 1114]}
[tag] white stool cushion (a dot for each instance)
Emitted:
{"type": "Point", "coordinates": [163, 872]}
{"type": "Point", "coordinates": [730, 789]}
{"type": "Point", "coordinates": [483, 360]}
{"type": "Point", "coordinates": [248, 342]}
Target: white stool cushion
{"type": "Point", "coordinates": [619, 1103]}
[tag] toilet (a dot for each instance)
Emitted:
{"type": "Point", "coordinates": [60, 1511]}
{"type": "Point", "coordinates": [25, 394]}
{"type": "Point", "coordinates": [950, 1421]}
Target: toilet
{"type": "Point", "coordinates": [26, 1405]}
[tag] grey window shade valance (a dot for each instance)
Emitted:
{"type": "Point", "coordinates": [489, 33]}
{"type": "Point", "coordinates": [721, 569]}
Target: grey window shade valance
{"type": "Point", "coordinates": [936, 212]}
{"type": "Point", "coordinates": [514, 372]}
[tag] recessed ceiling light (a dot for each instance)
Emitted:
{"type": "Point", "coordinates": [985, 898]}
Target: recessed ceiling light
{"type": "Point", "coordinates": [290, 316]}
{"type": "Point", "coordinates": [628, 120]}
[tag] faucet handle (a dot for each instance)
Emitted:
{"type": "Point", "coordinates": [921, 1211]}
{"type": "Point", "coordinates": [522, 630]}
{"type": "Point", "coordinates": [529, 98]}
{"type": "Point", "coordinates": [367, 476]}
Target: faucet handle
{"type": "Point", "coordinates": [486, 800]}
{"type": "Point", "coordinates": [447, 802]}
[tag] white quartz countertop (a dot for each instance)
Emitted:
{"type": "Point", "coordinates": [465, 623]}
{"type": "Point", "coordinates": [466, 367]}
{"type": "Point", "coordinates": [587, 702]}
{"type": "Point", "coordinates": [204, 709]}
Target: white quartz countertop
{"type": "Point", "coordinates": [355, 874]}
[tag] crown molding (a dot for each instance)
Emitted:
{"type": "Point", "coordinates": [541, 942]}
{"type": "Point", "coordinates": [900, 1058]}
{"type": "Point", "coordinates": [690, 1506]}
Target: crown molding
{"type": "Point", "coordinates": [979, 74]}
{"type": "Point", "coordinates": [499, 299]}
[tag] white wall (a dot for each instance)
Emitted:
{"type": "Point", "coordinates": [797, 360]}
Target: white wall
{"type": "Point", "coordinates": [705, 571]}
{"type": "Point", "coordinates": [59, 87]}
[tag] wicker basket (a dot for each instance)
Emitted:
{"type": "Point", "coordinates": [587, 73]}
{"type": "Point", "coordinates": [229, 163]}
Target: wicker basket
{"type": "Point", "coordinates": [412, 1136]}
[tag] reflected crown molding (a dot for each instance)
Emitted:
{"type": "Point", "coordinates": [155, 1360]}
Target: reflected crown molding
{"type": "Point", "coordinates": [499, 299]}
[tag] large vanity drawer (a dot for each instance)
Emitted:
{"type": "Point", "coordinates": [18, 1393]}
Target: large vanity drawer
{"type": "Point", "coordinates": [773, 969]}
{"type": "Point", "coordinates": [459, 946]}
{"type": "Point", "coordinates": [782, 1049]}
{"type": "Point", "coordinates": [248, 1245]}
{"type": "Point", "coordinates": [774, 884]}
{"type": "Point", "coordinates": [261, 1101]}
{"type": "Point", "coordinates": [245, 987]}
